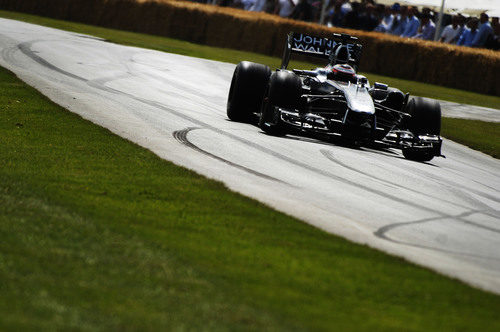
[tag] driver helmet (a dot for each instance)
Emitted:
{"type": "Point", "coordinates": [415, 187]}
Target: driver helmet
{"type": "Point", "coordinates": [343, 73]}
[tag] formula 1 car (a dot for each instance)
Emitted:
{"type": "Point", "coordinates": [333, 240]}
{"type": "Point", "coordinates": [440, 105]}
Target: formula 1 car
{"type": "Point", "coordinates": [333, 101]}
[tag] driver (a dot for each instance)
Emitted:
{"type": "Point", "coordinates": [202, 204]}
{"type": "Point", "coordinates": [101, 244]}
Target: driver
{"type": "Point", "coordinates": [341, 72]}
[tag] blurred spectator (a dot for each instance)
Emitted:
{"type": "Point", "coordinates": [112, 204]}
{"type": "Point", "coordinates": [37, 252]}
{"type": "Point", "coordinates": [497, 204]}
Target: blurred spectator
{"type": "Point", "coordinates": [469, 33]}
{"type": "Point", "coordinates": [259, 6]}
{"type": "Point", "coordinates": [429, 12]}
{"type": "Point", "coordinates": [452, 32]}
{"type": "Point", "coordinates": [351, 19]}
{"type": "Point", "coordinates": [386, 22]}
{"type": "Point", "coordinates": [284, 8]}
{"type": "Point", "coordinates": [412, 24]}
{"type": "Point", "coordinates": [335, 15]}
{"type": "Point", "coordinates": [346, 7]}
{"type": "Point", "coordinates": [484, 32]}
{"type": "Point", "coordinates": [404, 21]}
{"type": "Point", "coordinates": [368, 19]}
{"type": "Point", "coordinates": [427, 28]}
{"type": "Point", "coordinates": [316, 7]}
{"type": "Point", "coordinates": [400, 22]}
{"type": "Point", "coordinates": [303, 11]}
{"type": "Point", "coordinates": [247, 4]}
{"type": "Point", "coordinates": [494, 42]}
{"type": "Point", "coordinates": [495, 25]}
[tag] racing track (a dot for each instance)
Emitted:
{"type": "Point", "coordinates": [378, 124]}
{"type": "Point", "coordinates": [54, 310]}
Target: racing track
{"type": "Point", "coordinates": [444, 214]}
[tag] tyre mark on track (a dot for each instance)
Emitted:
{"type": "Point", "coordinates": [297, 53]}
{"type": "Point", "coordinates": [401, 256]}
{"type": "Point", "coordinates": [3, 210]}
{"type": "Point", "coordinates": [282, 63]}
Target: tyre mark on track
{"type": "Point", "coordinates": [459, 173]}
{"type": "Point", "coordinates": [476, 167]}
{"type": "Point", "coordinates": [181, 136]}
{"type": "Point", "coordinates": [453, 184]}
{"type": "Point", "coordinates": [330, 157]}
{"type": "Point", "coordinates": [382, 232]}
{"type": "Point", "coordinates": [26, 49]}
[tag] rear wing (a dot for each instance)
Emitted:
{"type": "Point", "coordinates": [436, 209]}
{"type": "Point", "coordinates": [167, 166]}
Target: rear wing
{"type": "Point", "coordinates": [320, 47]}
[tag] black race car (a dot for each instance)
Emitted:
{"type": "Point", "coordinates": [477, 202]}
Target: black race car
{"type": "Point", "coordinates": [333, 101]}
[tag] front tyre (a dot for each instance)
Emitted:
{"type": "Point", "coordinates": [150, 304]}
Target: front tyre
{"type": "Point", "coordinates": [418, 155]}
{"type": "Point", "coordinates": [284, 91]}
{"type": "Point", "coordinates": [425, 119]}
{"type": "Point", "coordinates": [425, 116]}
{"type": "Point", "coordinates": [247, 90]}
{"type": "Point", "coordinates": [269, 118]}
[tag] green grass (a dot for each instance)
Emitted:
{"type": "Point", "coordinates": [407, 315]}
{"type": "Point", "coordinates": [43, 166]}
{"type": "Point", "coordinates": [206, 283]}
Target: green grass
{"type": "Point", "coordinates": [98, 233]}
{"type": "Point", "coordinates": [233, 56]}
{"type": "Point", "coordinates": [479, 135]}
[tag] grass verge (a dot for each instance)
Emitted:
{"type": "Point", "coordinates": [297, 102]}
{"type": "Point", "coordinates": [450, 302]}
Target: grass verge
{"type": "Point", "coordinates": [478, 135]}
{"type": "Point", "coordinates": [234, 56]}
{"type": "Point", "coordinates": [98, 233]}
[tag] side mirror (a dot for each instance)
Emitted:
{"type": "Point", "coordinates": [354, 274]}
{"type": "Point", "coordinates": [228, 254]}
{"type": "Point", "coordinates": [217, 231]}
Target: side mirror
{"type": "Point", "coordinates": [362, 80]}
{"type": "Point", "coordinates": [380, 86]}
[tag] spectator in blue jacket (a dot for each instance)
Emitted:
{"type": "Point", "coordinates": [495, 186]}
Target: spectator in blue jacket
{"type": "Point", "coordinates": [386, 20]}
{"type": "Point", "coordinates": [400, 20]}
{"type": "Point", "coordinates": [469, 33]}
{"type": "Point", "coordinates": [412, 24]}
{"type": "Point", "coordinates": [485, 30]}
{"type": "Point", "coordinates": [427, 28]}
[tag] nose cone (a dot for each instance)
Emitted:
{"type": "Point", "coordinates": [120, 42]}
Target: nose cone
{"type": "Point", "coordinates": [358, 99]}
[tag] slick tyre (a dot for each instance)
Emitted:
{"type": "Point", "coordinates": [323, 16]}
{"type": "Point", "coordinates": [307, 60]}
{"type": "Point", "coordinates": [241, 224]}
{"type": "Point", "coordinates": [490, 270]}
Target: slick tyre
{"type": "Point", "coordinates": [425, 116]}
{"type": "Point", "coordinates": [269, 121]}
{"type": "Point", "coordinates": [425, 119]}
{"type": "Point", "coordinates": [247, 90]}
{"type": "Point", "coordinates": [285, 89]}
{"type": "Point", "coordinates": [417, 155]}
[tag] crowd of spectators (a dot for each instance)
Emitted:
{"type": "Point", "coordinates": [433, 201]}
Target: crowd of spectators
{"type": "Point", "coordinates": [367, 15]}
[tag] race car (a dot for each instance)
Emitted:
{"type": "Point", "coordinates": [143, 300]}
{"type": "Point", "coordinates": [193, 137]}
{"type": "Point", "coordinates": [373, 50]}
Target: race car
{"type": "Point", "coordinates": [333, 101]}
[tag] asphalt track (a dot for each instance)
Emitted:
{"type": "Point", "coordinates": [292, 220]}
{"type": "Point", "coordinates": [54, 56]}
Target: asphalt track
{"type": "Point", "coordinates": [444, 214]}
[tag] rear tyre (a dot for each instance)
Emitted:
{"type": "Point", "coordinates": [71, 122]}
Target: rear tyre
{"type": "Point", "coordinates": [284, 91]}
{"type": "Point", "coordinates": [247, 90]}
